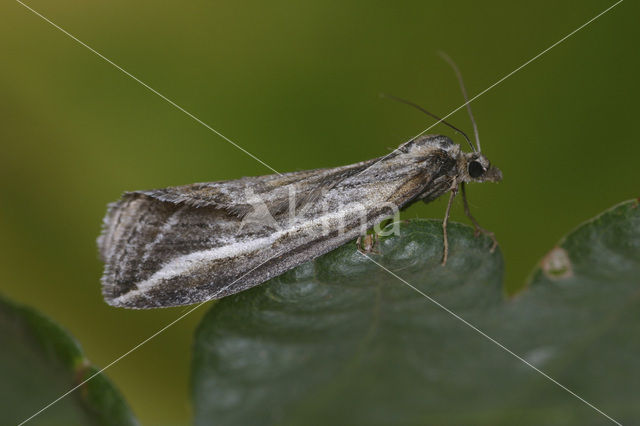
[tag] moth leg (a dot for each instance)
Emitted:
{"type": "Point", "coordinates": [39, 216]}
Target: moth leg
{"type": "Point", "coordinates": [454, 191]}
{"type": "Point", "coordinates": [476, 226]}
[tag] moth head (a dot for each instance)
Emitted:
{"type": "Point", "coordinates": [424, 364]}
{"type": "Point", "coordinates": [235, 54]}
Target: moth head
{"type": "Point", "coordinates": [476, 168]}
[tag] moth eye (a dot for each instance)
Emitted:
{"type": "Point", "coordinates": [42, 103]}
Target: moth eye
{"type": "Point", "coordinates": [475, 169]}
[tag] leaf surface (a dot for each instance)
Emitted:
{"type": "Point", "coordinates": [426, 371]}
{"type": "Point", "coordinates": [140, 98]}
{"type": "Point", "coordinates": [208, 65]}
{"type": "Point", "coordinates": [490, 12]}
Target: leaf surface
{"type": "Point", "coordinates": [39, 361]}
{"type": "Point", "coordinates": [341, 340]}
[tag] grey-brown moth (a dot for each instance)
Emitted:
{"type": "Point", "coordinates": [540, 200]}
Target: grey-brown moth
{"type": "Point", "coordinates": [188, 244]}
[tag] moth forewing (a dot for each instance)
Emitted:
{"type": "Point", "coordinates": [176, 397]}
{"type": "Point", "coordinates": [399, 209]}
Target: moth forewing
{"type": "Point", "coordinates": [188, 244]}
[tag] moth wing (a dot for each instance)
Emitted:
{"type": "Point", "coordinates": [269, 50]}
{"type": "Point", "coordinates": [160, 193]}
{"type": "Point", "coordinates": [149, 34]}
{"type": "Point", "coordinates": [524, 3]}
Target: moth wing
{"type": "Point", "coordinates": [239, 196]}
{"type": "Point", "coordinates": [155, 243]}
{"type": "Point", "coordinates": [189, 244]}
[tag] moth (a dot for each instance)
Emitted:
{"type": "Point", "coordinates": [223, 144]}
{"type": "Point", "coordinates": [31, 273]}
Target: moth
{"type": "Point", "coordinates": [188, 244]}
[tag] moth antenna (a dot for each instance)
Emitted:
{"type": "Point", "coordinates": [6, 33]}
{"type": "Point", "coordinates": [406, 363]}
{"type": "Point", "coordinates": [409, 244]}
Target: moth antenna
{"type": "Point", "coordinates": [464, 94]}
{"type": "Point", "coordinates": [419, 108]}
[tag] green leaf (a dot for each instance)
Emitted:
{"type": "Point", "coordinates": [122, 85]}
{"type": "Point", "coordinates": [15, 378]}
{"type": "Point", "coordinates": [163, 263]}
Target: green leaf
{"type": "Point", "coordinates": [579, 320]}
{"type": "Point", "coordinates": [340, 340]}
{"type": "Point", "coordinates": [39, 362]}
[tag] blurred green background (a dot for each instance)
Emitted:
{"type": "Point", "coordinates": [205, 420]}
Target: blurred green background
{"type": "Point", "coordinates": [296, 84]}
